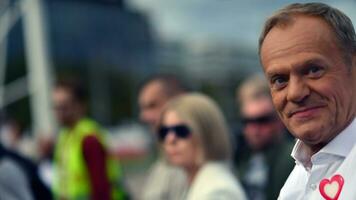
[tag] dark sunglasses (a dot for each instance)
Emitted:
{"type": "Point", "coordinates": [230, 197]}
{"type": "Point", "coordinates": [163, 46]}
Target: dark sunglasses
{"type": "Point", "coordinates": [260, 120]}
{"type": "Point", "coordinates": [181, 131]}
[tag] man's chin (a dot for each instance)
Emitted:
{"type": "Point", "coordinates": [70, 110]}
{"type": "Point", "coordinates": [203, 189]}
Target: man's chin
{"type": "Point", "coordinates": [307, 132]}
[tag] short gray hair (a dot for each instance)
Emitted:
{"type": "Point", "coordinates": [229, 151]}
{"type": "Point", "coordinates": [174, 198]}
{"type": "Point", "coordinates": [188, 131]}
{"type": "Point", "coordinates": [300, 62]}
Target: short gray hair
{"type": "Point", "coordinates": [339, 22]}
{"type": "Point", "coordinates": [253, 87]}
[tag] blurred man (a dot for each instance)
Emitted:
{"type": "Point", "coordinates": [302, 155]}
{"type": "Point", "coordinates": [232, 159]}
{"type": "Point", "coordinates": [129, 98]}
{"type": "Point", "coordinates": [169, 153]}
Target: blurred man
{"type": "Point", "coordinates": [262, 159]}
{"type": "Point", "coordinates": [164, 182]}
{"type": "Point", "coordinates": [83, 167]}
{"type": "Point", "coordinates": [308, 53]}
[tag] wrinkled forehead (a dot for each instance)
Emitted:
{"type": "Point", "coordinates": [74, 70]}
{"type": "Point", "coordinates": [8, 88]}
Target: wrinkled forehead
{"type": "Point", "coordinates": [300, 28]}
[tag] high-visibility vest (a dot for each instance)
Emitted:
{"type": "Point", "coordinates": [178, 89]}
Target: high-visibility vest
{"type": "Point", "coordinates": [72, 177]}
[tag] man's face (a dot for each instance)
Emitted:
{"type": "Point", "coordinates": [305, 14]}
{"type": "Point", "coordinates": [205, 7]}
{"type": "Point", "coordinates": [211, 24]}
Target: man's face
{"type": "Point", "coordinates": [151, 102]}
{"type": "Point", "coordinates": [312, 87]}
{"type": "Point", "coordinates": [261, 125]}
{"type": "Point", "coordinates": [64, 106]}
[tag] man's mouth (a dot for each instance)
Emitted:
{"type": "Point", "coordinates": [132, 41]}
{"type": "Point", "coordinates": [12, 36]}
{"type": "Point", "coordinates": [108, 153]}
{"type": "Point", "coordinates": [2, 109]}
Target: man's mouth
{"type": "Point", "coordinates": [304, 112]}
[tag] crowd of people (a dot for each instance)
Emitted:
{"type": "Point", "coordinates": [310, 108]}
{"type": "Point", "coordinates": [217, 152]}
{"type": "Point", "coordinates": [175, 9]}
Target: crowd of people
{"type": "Point", "coordinates": [307, 92]}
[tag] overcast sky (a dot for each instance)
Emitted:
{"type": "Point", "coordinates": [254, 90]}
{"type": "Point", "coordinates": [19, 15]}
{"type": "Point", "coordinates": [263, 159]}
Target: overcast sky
{"type": "Point", "coordinates": [217, 20]}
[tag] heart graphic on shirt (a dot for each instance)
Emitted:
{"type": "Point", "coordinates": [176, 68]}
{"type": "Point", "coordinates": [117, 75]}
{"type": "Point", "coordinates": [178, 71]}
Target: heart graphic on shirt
{"type": "Point", "coordinates": [331, 189]}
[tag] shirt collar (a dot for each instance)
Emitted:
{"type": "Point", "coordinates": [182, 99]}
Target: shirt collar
{"type": "Point", "coordinates": [341, 145]}
{"type": "Point", "coordinates": [301, 154]}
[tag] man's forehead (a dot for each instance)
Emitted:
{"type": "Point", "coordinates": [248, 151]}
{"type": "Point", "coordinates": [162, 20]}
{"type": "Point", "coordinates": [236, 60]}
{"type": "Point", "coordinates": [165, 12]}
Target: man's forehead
{"type": "Point", "coordinates": [152, 92]}
{"type": "Point", "coordinates": [301, 24]}
{"type": "Point", "coordinates": [61, 93]}
{"type": "Point", "coordinates": [306, 33]}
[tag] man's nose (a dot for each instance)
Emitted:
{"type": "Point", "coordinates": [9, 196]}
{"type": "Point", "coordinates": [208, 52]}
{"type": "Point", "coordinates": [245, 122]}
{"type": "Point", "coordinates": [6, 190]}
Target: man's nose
{"type": "Point", "coordinates": [298, 90]}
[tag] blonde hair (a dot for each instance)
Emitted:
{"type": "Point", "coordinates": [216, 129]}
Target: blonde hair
{"type": "Point", "coordinates": [206, 121]}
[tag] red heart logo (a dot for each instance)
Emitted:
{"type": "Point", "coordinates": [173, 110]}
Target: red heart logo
{"type": "Point", "coordinates": [331, 189]}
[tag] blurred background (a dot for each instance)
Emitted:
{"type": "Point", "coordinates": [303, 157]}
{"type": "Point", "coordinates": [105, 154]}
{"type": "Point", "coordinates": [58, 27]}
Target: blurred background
{"type": "Point", "coordinates": [113, 45]}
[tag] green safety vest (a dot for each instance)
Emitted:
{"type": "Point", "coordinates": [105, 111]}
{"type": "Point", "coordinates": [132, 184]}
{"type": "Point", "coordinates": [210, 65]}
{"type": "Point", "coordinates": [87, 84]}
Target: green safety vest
{"type": "Point", "coordinates": [72, 177]}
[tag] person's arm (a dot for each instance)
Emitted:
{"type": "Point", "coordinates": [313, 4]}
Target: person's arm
{"type": "Point", "coordinates": [95, 157]}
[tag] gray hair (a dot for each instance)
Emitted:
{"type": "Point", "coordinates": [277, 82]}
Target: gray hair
{"type": "Point", "coordinates": [339, 22]}
{"type": "Point", "coordinates": [253, 87]}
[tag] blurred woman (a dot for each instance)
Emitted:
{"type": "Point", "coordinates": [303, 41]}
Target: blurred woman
{"type": "Point", "coordinates": [194, 136]}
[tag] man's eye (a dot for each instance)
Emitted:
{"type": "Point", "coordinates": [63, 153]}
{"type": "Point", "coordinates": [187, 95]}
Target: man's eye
{"type": "Point", "coordinates": [315, 71]}
{"type": "Point", "coordinates": [278, 82]}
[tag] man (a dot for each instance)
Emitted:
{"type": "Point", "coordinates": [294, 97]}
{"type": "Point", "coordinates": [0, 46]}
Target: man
{"type": "Point", "coordinates": [308, 53]}
{"type": "Point", "coordinates": [84, 170]}
{"type": "Point", "coordinates": [262, 159]}
{"type": "Point", "coordinates": [164, 181]}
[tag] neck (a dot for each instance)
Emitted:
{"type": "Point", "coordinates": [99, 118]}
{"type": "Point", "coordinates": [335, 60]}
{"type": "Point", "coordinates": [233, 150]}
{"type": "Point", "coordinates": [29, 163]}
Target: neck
{"type": "Point", "coordinates": [315, 148]}
{"type": "Point", "coordinates": [73, 122]}
{"type": "Point", "coordinates": [191, 172]}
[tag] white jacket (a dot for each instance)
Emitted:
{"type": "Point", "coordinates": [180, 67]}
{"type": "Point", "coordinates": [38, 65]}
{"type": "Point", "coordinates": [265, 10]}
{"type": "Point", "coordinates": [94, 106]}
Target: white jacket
{"type": "Point", "coordinates": [215, 181]}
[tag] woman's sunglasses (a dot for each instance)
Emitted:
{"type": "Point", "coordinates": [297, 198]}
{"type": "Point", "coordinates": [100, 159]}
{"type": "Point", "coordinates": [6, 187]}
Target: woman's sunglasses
{"type": "Point", "coordinates": [181, 131]}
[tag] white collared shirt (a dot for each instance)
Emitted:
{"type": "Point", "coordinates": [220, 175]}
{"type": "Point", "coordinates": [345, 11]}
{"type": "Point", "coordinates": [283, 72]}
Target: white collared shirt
{"type": "Point", "coordinates": [337, 157]}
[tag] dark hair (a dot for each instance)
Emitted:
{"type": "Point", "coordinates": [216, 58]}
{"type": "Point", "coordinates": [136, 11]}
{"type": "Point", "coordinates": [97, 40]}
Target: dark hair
{"type": "Point", "coordinates": [172, 85]}
{"type": "Point", "coordinates": [75, 87]}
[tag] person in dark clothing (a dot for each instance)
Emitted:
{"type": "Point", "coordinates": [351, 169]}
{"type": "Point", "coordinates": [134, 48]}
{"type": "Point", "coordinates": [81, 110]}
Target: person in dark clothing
{"type": "Point", "coordinates": [37, 188]}
{"type": "Point", "coordinates": [262, 158]}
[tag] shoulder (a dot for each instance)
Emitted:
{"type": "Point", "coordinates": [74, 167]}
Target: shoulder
{"type": "Point", "coordinates": [162, 173]}
{"type": "Point", "coordinates": [160, 166]}
{"type": "Point", "coordinates": [164, 181]}
{"type": "Point", "coordinates": [280, 159]}
{"type": "Point", "coordinates": [13, 180]}
{"type": "Point", "coordinates": [11, 173]}
{"type": "Point", "coordinates": [9, 167]}
{"type": "Point", "coordinates": [91, 145]}
{"type": "Point", "coordinates": [224, 183]}
{"type": "Point", "coordinates": [91, 140]}
{"type": "Point", "coordinates": [87, 124]}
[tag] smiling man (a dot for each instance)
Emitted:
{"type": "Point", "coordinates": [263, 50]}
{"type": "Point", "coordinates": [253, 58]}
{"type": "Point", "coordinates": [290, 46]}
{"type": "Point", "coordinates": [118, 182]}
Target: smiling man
{"type": "Point", "coordinates": [308, 53]}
